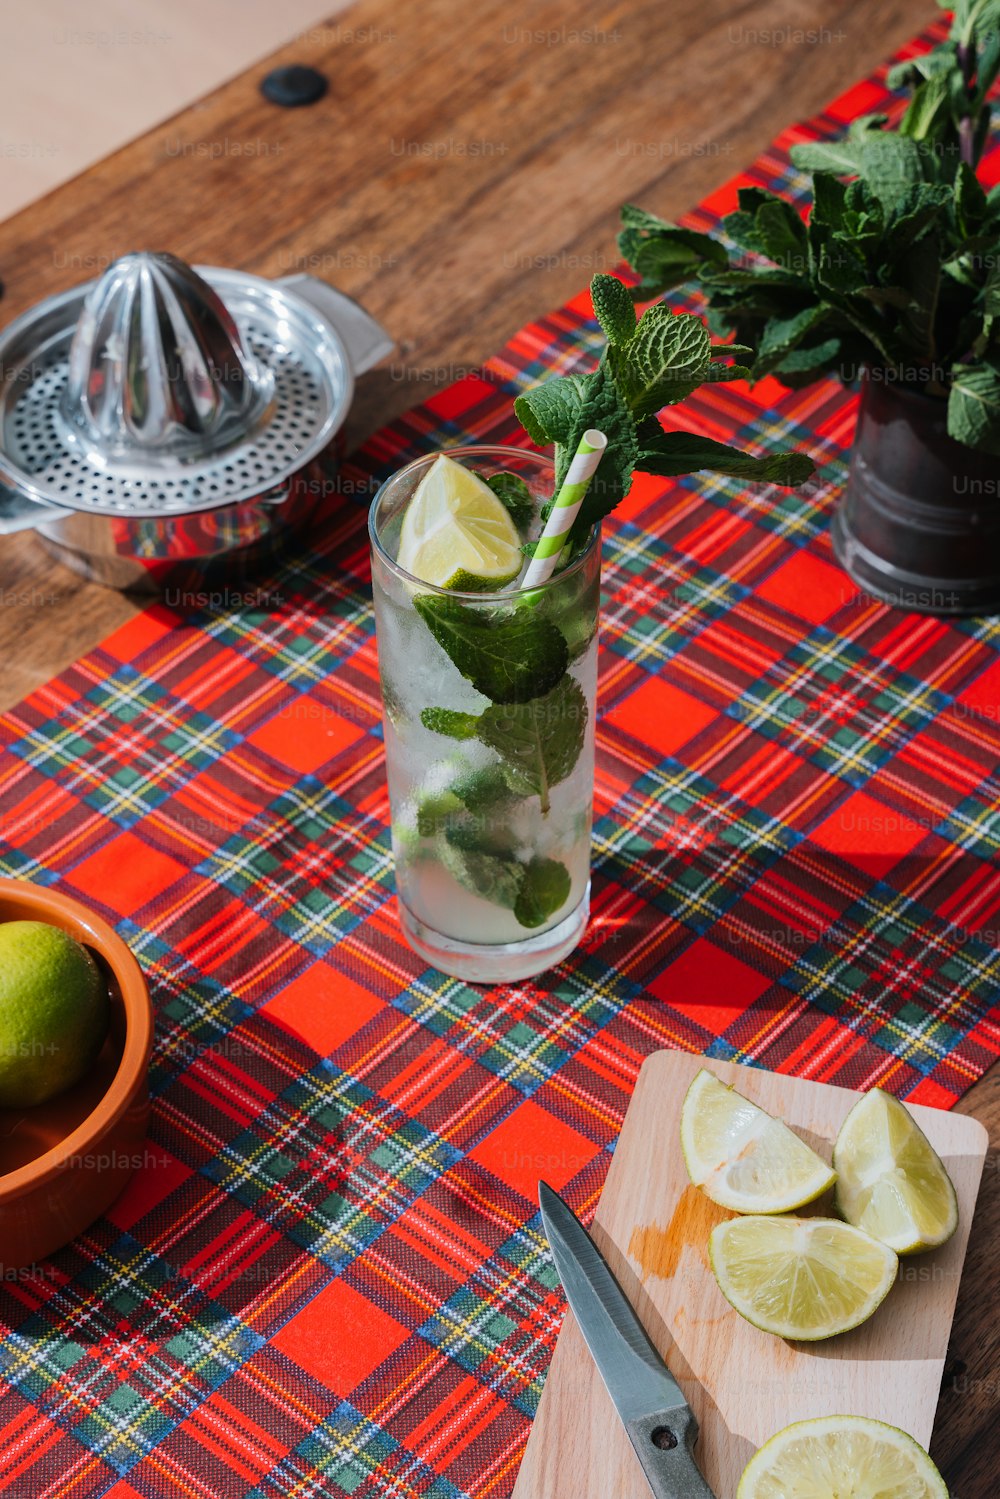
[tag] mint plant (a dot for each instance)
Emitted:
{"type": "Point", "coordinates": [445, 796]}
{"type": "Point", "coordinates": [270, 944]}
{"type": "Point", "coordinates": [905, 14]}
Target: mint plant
{"type": "Point", "coordinates": [897, 270]}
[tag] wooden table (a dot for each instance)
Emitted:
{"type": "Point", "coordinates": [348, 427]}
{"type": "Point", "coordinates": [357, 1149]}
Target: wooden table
{"type": "Point", "coordinates": [462, 176]}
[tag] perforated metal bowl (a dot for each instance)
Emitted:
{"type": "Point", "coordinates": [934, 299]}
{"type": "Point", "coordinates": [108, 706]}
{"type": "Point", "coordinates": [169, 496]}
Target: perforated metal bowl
{"type": "Point", "coordinates": [166, 414]}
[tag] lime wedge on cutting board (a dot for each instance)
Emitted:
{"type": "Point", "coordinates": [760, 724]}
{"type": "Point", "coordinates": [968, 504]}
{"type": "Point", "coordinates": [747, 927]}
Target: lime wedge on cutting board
{"type": "Point", "coordinates": [456, 533]}
{"type": "Point", "coordinates": [743, 1158]}
{"type": "Point", "coordinates": [891, 1180]}
{"type": "Point", "coordinates": [801, 1278]}
{"type": "Point", "coordinates": [841, 1457]}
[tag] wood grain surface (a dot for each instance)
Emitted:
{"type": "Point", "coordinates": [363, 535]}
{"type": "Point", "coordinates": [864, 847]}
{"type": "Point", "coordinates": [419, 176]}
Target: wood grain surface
{"type": "Point", "coordinates": [462, 176]}
{"type": "Point", "coordinates": [742, 1384]}
{"type": "Point", "coordinates": [454, 252]}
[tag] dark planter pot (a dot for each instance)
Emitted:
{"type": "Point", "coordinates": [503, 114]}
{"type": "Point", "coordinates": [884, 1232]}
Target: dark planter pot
{"type": "Point", "coordinates": [919, 524]}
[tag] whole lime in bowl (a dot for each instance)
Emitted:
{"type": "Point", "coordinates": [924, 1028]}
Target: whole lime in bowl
{"type": "Point", "coordinates": [54, 1012]}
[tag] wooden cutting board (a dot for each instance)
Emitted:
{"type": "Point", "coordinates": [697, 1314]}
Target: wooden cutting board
{"type": "Point", "coordinates": [743, 1385]}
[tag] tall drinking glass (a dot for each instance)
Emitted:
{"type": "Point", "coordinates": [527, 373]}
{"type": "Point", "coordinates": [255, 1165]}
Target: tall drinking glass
{"type": "Point", "coordinates": [488, 706]}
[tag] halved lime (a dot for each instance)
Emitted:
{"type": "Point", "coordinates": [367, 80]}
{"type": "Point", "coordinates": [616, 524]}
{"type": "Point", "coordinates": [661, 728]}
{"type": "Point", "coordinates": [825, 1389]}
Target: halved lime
{"type": "Point", "coordinates": [456, 533]}
{"type": "Point", "coordinates": [801, 1278]}
{"type": "Point", "coordinates": [743, 1158]}
{"type": "Point", "coordinates": [841, 1457]}
{"type": "Point", "coordinates": [892, 1182]}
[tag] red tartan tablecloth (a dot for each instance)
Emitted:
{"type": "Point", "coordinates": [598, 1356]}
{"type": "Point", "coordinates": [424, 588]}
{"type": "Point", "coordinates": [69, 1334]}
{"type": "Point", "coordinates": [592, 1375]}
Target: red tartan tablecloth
{"type": "Point", "coordinates": [330, 1276]}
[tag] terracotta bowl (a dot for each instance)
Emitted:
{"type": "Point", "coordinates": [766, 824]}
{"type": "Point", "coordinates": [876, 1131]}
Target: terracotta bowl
{"type": "Point", "coordinates": [64, 1162]}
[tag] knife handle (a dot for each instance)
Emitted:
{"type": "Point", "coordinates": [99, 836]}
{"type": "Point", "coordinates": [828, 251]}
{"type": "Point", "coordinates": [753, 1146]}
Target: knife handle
{"type": "Point", "coordinates": [663, 1446]}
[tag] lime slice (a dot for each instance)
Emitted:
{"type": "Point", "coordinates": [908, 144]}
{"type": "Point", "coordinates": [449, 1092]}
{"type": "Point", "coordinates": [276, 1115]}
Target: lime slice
{"type": "Point", "coordinates": [841, 1457]}
{"type": "Point", "coordinates": [802, 1278]}
{"type": "Point", "coordinates": [743, 1158]}
{"type": "Point", "coordinates": [456, 533]}
{"type": "Point", "coordinates": [892, 1182]}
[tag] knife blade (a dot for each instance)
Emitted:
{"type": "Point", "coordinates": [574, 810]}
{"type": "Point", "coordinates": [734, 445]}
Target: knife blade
{"type": "Point", "coordinates": [659, 1422]}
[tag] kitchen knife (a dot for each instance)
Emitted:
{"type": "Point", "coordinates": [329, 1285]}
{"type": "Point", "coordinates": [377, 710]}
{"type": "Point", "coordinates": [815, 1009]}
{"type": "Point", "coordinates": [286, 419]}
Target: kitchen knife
{"type": "Point", "coordinates": [657, 1418]}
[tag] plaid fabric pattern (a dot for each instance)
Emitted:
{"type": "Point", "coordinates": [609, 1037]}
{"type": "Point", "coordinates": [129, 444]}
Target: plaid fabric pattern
{"type": "Point", "coordinates": [329, 1277]}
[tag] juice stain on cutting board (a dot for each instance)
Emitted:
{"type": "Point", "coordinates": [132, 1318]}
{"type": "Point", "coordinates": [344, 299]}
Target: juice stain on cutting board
{"type": "Point", "coordinates": [658, 1250]}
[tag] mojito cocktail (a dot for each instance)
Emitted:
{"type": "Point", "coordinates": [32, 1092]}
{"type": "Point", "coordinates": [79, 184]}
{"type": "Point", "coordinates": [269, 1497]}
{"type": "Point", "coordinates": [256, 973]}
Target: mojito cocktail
{"type": "Point", "coordinates": [488, 694]}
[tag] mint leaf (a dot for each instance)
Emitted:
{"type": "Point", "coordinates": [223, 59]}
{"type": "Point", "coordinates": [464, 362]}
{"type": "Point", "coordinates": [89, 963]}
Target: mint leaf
{"type": "Point", "coordinates": [842, 157]}
{"type": "Point", "coordinates": [719, 374]}
{"type": "Point", "coordinates": [545, 886]}
{"type": "Point", "coordinates": [782, 233]}
{"type": "Point", "coordinates": [805, 363]}
{"type": "Point", "coordinates": [509, 657]}
{"type": "Point", "coordinates": [488, 831]}
{"type": "Point", "coordinates": [495, 879]}
{"type": "Point", "coordinates": [540, 740]}
{"type": "Point", "coordinates": [549, 411]}
{"type": "Point", "coordinates": [766, 225]}
{"type": "Point", "coordinates": [448, 721]}
{"type": "Point", "coordinates": [435, 811]}
{"type": "Point", "coordinates": [732, 351]}
{"type": "Point", "coordinates": [672, 453]}
{"type": "Point", "coordinates": [969, 200]}
{"type": "Point", "coordinates": [614, 308]}
{"type": "Point", "coordinates": [515, 496]}
{"type": "Point", "coordinates": [928, 110]}
{"type": "Point", "coordinates": [974, 406]}
{"type": "Point", "coordinates": [482, 788]}
{"type": "Point", "coordinates": [666, 359]}
{"type": "Point", "coordinates": [782, 335]}
{"type": "Point", "coordinates": [890, 164]}
{"type": "Point", "coordinates": [664, 255]}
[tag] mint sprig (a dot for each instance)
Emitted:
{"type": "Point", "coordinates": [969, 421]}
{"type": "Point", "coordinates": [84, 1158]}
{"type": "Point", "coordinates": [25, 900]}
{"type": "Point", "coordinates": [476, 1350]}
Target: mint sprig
{"type": "Point", "coordinates": [649, 364]}
{"type": "Point", "coordinates": [560, 411]}
{"type": "Point", "coordinates": [663, 263]}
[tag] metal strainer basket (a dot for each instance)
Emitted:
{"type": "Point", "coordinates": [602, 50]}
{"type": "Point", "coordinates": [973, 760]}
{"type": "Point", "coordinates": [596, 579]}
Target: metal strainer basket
{"type": "Point", "coordinates": [166, 413]}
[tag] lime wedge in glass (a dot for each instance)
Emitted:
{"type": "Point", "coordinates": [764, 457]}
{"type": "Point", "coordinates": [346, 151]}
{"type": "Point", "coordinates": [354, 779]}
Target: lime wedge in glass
{"type": "Point", "coordinates": [801, 1278]}
{"type": "Point", "coordinates": [891, 1180]}
{"type": "Point", "coordinates": [743, 1158]}
{"type": "Point", "coordinates": [456, 533]}
{"type": "Point", "coordinates": [834, 1457]}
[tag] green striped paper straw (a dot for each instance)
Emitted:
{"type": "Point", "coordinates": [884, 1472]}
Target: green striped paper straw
{"type": "Point", "coordinates": [566, 508]}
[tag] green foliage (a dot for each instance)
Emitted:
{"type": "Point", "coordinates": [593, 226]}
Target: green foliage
{"type": "Point", "coordinates": [898, 267]}
{"type": "Point", "coordinates": [448, 721]}
{"type": "Point", "coordinates": [515, 496]}
{"type": "Point", "coordinates": [613, 308]}
{"type": "Point", "coordinates": [647, 365]}
{"type": "Point", "coordinates": [539, 741]}
{"type": "Point", "coordinates": [508, 655]}
{"type": "Point", "coordinates": [545, 885]}
{"type": "Point", "coordinates": [492, 876]}
{"type": "Point", "coordinates": [670, 453]}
